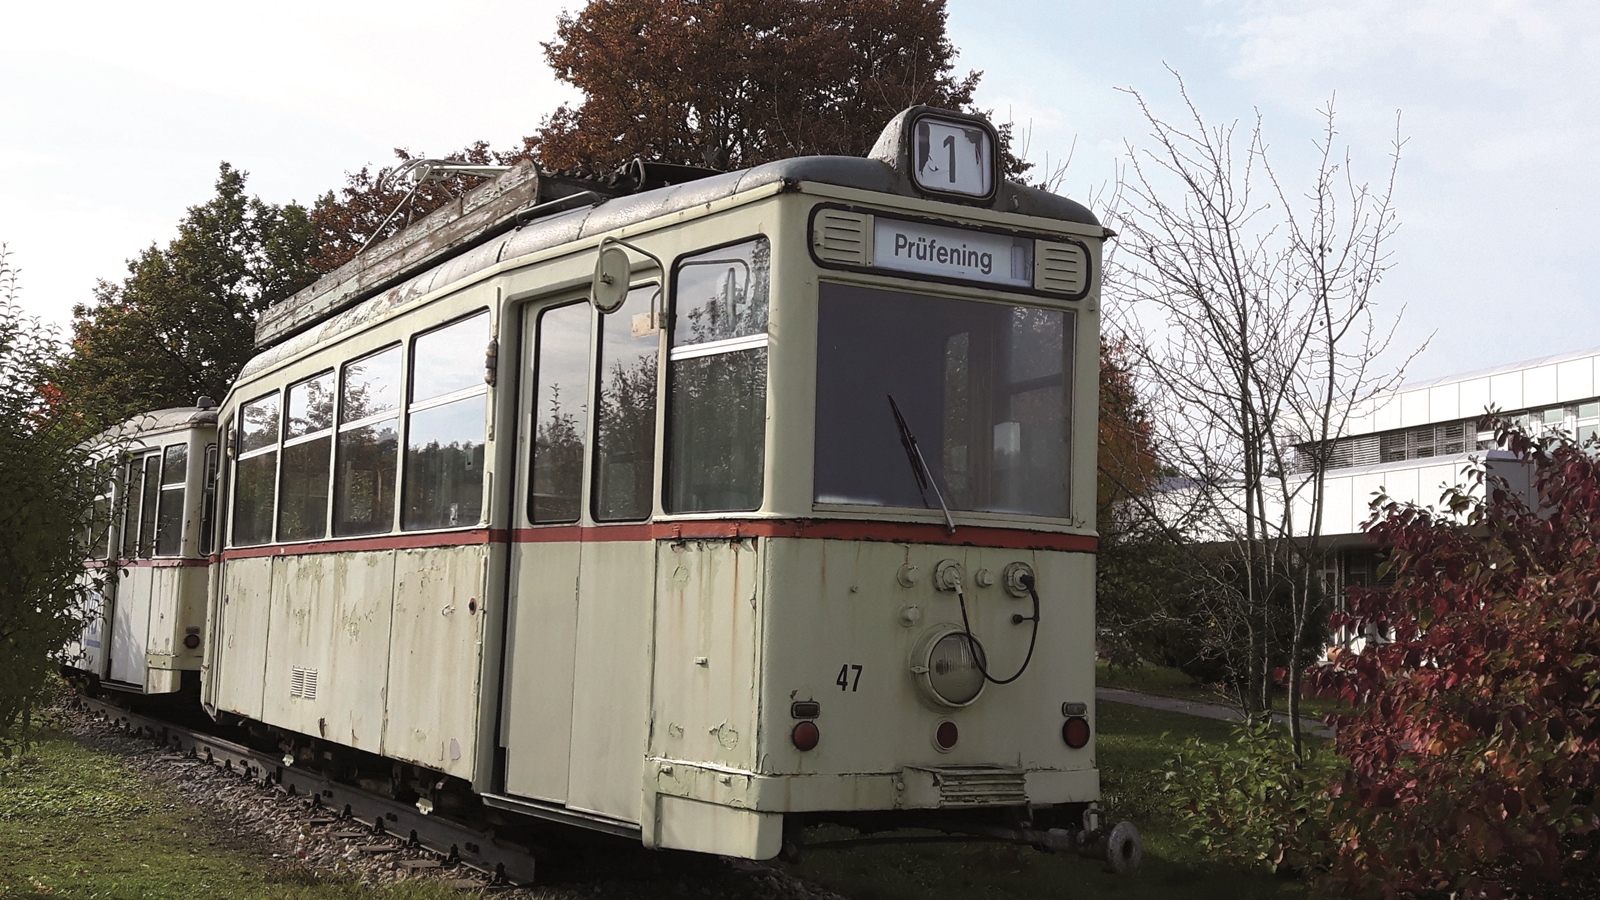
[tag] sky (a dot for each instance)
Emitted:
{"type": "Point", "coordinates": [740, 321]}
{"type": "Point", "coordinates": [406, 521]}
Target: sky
{"type": "Point", "coordinates": [114, 118]}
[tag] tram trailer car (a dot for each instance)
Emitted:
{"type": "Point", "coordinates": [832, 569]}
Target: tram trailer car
{"type": "Point", "coordinates": [148, 571]}
{"type": "Point", "coordinates": [762, 498]}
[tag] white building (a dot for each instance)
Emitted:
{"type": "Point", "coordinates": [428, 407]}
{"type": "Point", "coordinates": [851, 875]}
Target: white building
{"type": "Point", "coordinates": [1414, 442]}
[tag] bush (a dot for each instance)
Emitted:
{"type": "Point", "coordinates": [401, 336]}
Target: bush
{"type": "Point", "coordinates": [47, 488]}
{"type": "Point", "coordinates": [1252, 801]}
{"type": "Point", "coordinates": [1474, 744]}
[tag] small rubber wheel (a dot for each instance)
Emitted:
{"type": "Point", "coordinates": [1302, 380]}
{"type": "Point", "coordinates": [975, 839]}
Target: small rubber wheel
{"type": "Point", "coordinates": [1124, 849]}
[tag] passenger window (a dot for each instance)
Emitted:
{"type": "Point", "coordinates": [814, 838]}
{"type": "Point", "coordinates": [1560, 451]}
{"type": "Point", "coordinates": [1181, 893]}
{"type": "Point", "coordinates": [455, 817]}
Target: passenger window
{"type": "Point", "coordinates": [717, 380]}
{"type": "Point", "coordinates": [129, 498]}
{"type": "Point", "coordinates": [169, 516]}
{"type": "Point", "coordinates": [625, 415]}
{"type": "Point", "coordinates": [255, 472]}
{"type": "Point", "coordinates": [208, 499]}
{"type": "Point", "coordinates": [151, 487]}
{"type": "Point", "coordinates": [560, 413]}
{"type": "Point", "coordinates": [445, 427]}
{"type": "Point", "coordinates": [368, 441]}
{"type": "Point", "coordinates": [100, 519]}
{"type": "Point", "coordinates": [307, 453]}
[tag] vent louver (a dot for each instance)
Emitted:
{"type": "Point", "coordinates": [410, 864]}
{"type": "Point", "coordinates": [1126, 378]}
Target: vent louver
{"type": "Point", "coordinates": [303, 683]}
{"type": "Point", "coordinates": [1061, 268]}
{"type": "Point", "coordinates": [843, 238]}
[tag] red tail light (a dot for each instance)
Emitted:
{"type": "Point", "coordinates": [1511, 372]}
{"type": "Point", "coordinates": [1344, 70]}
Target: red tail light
{"type": "Point", "coordinates": [1075, 731]}
{"type": "Point", "coordinates": [805, 736]}
{"type": "Point", "coordinates": [946, 735]}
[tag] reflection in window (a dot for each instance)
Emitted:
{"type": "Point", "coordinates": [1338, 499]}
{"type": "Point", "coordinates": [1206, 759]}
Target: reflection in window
{"type": "Point", "coordinates": [717, 381]}
{"type": "Point", "coordinates": [561, 414]}
{"type": "Point", "coordinates": [208, 498]}
{"type": "Point", "coordinates": [367, 445]}
{"type": "Point", "coordinates": [148, 505]}
{"type": "Point", "coordinates": [169, 518]}
{"type": "Point", "coordinates": [983, 386]}
{"type": "Point", "coordinates": [307, 448]}
{"type": "Point", "coordinates": [445, 428]}
{"type": "Point", "coordinates": [625, 415]}
{"type": "Point", "coordinates": [255, 472]}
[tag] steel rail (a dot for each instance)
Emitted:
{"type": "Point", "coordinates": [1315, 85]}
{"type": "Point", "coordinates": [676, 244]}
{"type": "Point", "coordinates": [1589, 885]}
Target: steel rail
{"type": "Point", "coordinates": [455, 842]}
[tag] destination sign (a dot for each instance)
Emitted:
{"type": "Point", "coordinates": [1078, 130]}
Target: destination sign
{"type": "Point", "coordinates": [952, 252]}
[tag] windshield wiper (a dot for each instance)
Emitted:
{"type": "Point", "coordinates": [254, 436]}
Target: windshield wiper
{"type": "Point", "coordinates": [919, 465]}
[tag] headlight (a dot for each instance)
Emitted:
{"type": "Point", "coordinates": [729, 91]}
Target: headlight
{"type": "Point", "coordinates": [948, 666]}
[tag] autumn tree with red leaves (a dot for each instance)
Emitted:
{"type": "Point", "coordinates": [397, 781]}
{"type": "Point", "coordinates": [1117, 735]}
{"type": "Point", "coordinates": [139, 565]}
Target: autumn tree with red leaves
{"type": "Point", "coordinates": [1474, 746]}
{"type": "Point", "coordinates": [734, 83]}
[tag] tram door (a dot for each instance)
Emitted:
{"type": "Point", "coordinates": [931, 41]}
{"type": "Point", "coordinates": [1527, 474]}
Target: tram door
{"type": "Point", "coordinates": [582, 579]}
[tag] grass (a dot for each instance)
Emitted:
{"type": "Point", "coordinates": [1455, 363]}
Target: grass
{"type": "Point", "coordinates": [1169, 682]}
{"type": "Point", "coordinates": [1133, 746]}
{"type": "Point", "coordinates": [75, 823]}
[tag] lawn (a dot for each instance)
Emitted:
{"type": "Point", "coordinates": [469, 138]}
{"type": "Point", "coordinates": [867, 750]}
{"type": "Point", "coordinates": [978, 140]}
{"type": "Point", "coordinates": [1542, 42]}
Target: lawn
{"type": "Point", "coordinates": [75, 823]}
{"type": "Point", "coordinates": [1169, 682]}
{"type": "Point", "coordinates": [1133, 745]}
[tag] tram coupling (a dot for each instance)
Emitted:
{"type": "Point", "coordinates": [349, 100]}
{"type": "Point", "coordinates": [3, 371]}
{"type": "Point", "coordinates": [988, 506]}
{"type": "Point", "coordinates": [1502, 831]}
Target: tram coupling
{"type": "Point", "coordinates": [1120, 846]}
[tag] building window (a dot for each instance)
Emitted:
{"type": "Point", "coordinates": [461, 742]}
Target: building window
{"type": "Point", "coordinates": [717, 380]}
{"type": "Point", "coordinates": [367, 444]}
{"type": "Point", "coordinates": [445, 426]}
{"type": "Point", "coordinates": [560, 413]}
{"type": "Point", "coordinates": [625, 410]}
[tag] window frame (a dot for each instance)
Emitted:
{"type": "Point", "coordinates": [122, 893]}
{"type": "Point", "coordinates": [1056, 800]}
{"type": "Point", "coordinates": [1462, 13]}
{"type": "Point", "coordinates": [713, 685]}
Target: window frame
{"type": "Point", "coordinates": [236, 437]}
{"type": "Point", "coordinates": [596, 385]}
{"type": "Point", "coordinates": [285, 442]}
{"type": "Point", "coordinates": [590, 366]}
{"type": "Point", "coordinates": [396, 412]}
{"type": "Point", "coordinates": [411, 406]}
{"type": "Point", "coordinates": [674, 354]}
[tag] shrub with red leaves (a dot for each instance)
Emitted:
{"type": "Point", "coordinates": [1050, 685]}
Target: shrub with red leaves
{"type": "Point", "coordinates": [1475, 741]}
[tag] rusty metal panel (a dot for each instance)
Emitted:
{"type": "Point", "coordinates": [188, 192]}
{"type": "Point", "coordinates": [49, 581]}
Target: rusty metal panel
{"type": "Point", "coordinates": [705, 692]}
{"type": "Point", "coordinates": [539, 669]}
{"type": "Point", "coordinates": [435, 642]}
{"type": "Point", "coordinates": [329, 646]}
{"type": "Point", "coordinates": [241, 658]}
{"type": "Point", "coordinates": [610, 702]}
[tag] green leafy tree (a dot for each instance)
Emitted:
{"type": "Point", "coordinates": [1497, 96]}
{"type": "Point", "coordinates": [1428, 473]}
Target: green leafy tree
{"type": "Point", "coordinates": [182, 323]}
{"type": "Point", "coordinates": [47, 490]}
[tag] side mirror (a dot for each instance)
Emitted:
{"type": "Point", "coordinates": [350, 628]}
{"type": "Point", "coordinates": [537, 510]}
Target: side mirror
{"type": "Point", "coordinates": [611, 276]}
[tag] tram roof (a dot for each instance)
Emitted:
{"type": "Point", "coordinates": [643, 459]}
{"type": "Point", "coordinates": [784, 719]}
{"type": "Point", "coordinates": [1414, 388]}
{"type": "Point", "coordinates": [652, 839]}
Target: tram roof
{"type": "Point", "coordinates": [519, 195]}
{"type": "Point", "coordinates": [158, 421]}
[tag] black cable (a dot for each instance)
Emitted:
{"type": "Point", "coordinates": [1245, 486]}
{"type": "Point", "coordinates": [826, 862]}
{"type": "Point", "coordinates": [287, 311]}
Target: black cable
{"type": "Point", "coordinates": [977, 655]}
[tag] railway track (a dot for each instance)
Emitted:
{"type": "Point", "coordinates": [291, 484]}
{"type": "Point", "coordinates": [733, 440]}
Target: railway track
{"type": "Point", "coordinates": [384, 824]}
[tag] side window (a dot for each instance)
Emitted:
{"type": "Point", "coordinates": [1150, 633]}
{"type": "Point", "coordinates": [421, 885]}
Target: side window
{"type": "Point", "coordinates": [150, 490]}
{"type": "Point", "coordinates": [560, 413]}
{"type": "Point", "coordinates": [256, 471]}
{"type": "Point", "coordinates": [208, 499]}
{"type": "Point", "coordinates": [368, 441]}
{"type": "Point", "coordinates": [445, 427]}
{"type": "Point", "coordinates": [100, 529]}
{"type": "Point", "coordinates": [130, 495]}
{"type": "Point", "coordinates": [307, 454]}
{"type": "Point", "coordinates": [625, 410]}
{"type": "Point", "coordinates": [169, 515]}
{"type": "Point", "coordinates": [717, 380]}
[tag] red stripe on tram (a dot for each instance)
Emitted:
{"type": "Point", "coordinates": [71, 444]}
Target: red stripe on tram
{"type": "Point", "coordinates": [830, 529]}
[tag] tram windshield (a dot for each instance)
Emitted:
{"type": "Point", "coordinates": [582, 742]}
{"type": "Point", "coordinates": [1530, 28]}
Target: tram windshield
{"type": "Point", "coordinates": [984, 387]}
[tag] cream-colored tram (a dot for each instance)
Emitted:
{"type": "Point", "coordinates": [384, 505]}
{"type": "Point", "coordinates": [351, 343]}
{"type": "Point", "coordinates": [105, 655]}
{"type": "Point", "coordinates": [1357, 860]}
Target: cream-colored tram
{"type": "Point", "coordinates": [142, 633]}
{"type": "Point", "coordinates": [756, 498]}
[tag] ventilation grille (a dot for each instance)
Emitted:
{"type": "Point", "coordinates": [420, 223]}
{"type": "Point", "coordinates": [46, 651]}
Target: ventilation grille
{"type": "Point", "coordinates": [1062, 268]}
{"type": "Point", "coordinates": [844, 238]}
{"type": "Point", "coordinates": [980, 786]}
{"type": "Point", "coordinates": [303, 683]}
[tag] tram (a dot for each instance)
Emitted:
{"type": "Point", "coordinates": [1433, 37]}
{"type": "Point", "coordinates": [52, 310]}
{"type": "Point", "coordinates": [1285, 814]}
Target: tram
{"type": "Point", "coordinates": [148, 570]}
{"type": "Point", "coordinates": [685, 506]}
